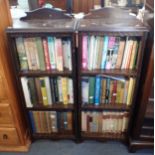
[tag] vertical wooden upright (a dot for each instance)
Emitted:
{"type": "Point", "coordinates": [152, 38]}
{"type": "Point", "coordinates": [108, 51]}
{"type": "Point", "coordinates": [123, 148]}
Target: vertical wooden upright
{"type": "Point", "coordinates": [13, 131]}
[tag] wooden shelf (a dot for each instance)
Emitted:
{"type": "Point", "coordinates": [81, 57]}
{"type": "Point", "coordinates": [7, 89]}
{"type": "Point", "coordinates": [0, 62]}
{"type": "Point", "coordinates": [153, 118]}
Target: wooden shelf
{"type": "Point", "coordinates": [88, 135]}
{"type": "Point", "coordinates": [54, 136]}
{"type": "Point", "coordinates": [113, 72]}
{"type": "Point", "coordinates": [56, 106]}
{"type": "Point", "coordinates": [45, 73]}
{"type": "Point", "coordinates": [120, 107]}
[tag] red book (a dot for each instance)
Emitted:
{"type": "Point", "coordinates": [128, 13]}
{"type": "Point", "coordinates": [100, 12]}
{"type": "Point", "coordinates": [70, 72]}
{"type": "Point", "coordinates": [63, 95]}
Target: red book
{"type": "Point", "coordinates": [84, 52]}
{"type": "Point", "coordinates": [114, 92]}
{"type": "Point", "coordinates": [46, 53]}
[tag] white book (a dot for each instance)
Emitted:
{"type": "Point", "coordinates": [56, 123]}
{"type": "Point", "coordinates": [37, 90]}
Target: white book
{"type": "Point", "coordinates": [91, 52]}
{"type": "Point", "coordinates": [125, 53]}
{"type": "Point", "coordinates": [48, 89]}
{"type": "Point", "coordinates": [69, 49]}
{"type": "Point", "coordinates": [26, 92]}
{"type": "Point", "coordinates": [53, 116]}
{"type": "Point", "coordinates": [59, 81]}
{"type": "Point", "coordinates": [85, 90]}
{"type": "Point", "coordinates": [95, 53]}
{"type": "Point", "coordinates": [65, 54]}
{"type": "Point", "coordinates": [70, 91]}
{"type": "Point", "coordinates": [84, 121]}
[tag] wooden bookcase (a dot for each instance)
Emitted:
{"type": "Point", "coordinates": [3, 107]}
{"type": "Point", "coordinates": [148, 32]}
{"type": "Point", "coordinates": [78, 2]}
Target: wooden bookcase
{"type": "Point", "coordinates": [112, 23]}
{"type": "Point", "coordinates": [42, 23]}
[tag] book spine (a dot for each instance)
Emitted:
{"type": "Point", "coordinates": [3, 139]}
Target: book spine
{"type": "Point", "coordinates": [59, 54]}
{"type": "Point", "coordinates": [52, 90]}
{"type": "Point", "coordinates": [84, 121]}
{"type": "Point", "coordinates": [69, 54]}
{"type": "Point", "coordinates": [91, 89]}
{"type": "Point", "coordinates": [51, 49]}
{"type": "Point", "coordinates": [85, 90]}
{"type": "Point", "coordinates": [38, 91]}
{"type": "Point", "coordinates": [69, 120]}
{"type": "Point", "coordinates": [40, 50]}
{"type": "Point", "coordinates": [46, 53]}
{"type": "Point", "coordinates": [32, 122]}
{"type": "Point", "coordinates": [70, 91]}
{"type": "Point", "coordinates": [84, 52]}
{"type": "Point", "coordinates": [64, 90]}
{"type": "Point", "coordinates": [97, 90]}
{"type": "Point", "coordinates": [107, 90]}
{"type": "Point", "coordinates": [24, 82]}
{"type": "Point", "coordinates": [48, 90]}
{"type": "Point", "coordinates": [104, 53]}
{"type": "Point", "coordinates": [21, 53]}
{"type": "Point", "coordinates": [32, 89]}
{"type": "Point", "coordinates": [56, 91]}
{"type": "Point", "coordinates": [54, 121]}
{"type": "Point", "coordinates": [114, 92]}
{"type": "Point", "coordinates": [35, 116]}
{"type": "Point", "coordinates": [59, 82]}
{"type": "Point", "coordinates": [103, 90]}
{"type": "Point", "coordinates": [44, 91]}
{"type": "Point", "coordinates": [65, 121]}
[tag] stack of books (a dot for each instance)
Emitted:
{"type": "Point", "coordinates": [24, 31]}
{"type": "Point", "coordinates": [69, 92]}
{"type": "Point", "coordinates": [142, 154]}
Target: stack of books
{"type": "Point", "coordinates": [109, 52]}
{"type": "Point", "coordinates": [45, 91]}
{"type": "Point", "coordinates": [50, 121]}
{"type": "Point", "coordinates": [103, 89]}
{"type": "Point", "coordinates": [105, 122]}
{"type": "Point", "coordinates": [47, 53]}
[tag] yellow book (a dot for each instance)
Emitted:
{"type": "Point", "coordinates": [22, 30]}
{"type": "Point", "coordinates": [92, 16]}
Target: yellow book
{"type": "Point", "coordinates": [130, 91]}
{"type": "Point", "coordinates": [44, 91]}
{"type": "Point", "coordinates": [64, 90]}
{"type": "Point", "coordinates": [133, 55]}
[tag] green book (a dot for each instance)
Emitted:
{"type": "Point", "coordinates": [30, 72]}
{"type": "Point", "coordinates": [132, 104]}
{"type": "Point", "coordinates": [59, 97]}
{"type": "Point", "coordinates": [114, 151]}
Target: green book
{"type": "Point", "coordinates": [21, 53]}
{"type": "Point", "coordinates": [40, 53]}
{"type": "Point", "coordinates": [32, 89]}
{"type": "Point", "coordinates": [91, 89]}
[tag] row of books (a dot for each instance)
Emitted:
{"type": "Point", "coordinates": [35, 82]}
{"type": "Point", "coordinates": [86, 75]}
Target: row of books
{"type": "Point", "coordinates": [50, 121]}
{"type": "Point", "coordinates": [105, 122]}
{"type": "Point", "coordinates": [109, 52]}
{"type": "Point", "coordinates": [46, 91]}
{"type": "Point", "coordinates": [107, 90]}
{"type": "Point", "coordinates": [48, 53]}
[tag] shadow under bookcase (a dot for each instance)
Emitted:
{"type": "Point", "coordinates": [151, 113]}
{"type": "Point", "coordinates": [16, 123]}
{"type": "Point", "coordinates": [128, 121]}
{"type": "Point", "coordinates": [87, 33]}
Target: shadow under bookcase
{"type": "Point", "coordinates": [110, 55]}
{"type": "Point", "coordinates": [46, 82]}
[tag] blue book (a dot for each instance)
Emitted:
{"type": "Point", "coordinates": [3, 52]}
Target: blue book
{"type": "Point", "coordinates": [97, 90]}
{"type": "Point", "coordinates": [32, 122]}
{"type": "Point", "coordinates": [104, 54]}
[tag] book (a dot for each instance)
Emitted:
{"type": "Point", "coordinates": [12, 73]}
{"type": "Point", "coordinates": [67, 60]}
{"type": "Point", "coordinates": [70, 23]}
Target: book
{"type": "Point", "coordinates": [46, 53]}
{"type": "Point", "coordinates": [59, 82]}
{"type": "Point", "coordinates": [48, 90]}
{"type": "Point", "coordinates": [40, 52]}
{"type": "Point", "coordinates": [69, 120]}
{"type": "Point", "coordinates": [120, 53]}
{"type": "Point", "coordinates": [35, 117]}
{"type": "Point", "coordinates": [44, 91]}
{"type": "Point", "coordinates": [52, 90]}
{"type": "Point", "coordinates": [107, 94]}
{"type": "Point", "coordinates": [48, 120]}
{"type": "Point", "coordinates": [84, 52]}
{"type": "Point", "coordinates": [97, 90]}
{"type": "Point", "coordinates": [21, 54]}
{"type": "Point", "coordinates": [32, 54]}
{"type": "Point", "coordinates": [84, 121]}
{"type": "Point", "coordinates": [64, 90]}
{"type": "Point", "coordinates": [104, 52]}
{"type": "Point", "coordinates": [32, 122]}
{"type": "Point", "coordinates": [54, 121]}
{"type": "Point", "coordinates": [26, 93]}
{"type": "Point", "coordinates": [130, 91]}
{"type": "Point", "coordinates": [32, 90]}
{"type": "Point", "coordinates": [51, 49]}
{"type": "Point", "coordinates": [70, 91]}
{"type": "Point", "coordinates": [38, 91]}
{"type": "Point", "coordinates": [103, 90]}
{"type": "Point", "coordinates": [59, 54]}
{"type": "Point", "coordinates": [56, 91]}
{"type": "Point", "coordinates": [91, 89]}
{"type": "Point", "coordinates": [85, 90]}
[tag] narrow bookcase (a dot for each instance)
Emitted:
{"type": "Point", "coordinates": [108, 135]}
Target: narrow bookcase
{"type": "Point", "coordinates": [110, 54]}
{"type": "Point", "coordinates": [42, 48]}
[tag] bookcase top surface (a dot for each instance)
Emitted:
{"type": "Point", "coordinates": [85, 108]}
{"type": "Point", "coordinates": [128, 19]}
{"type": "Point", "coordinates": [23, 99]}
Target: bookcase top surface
{"type": "Point", "coordinates": [111, 19]}
{"type": "Point", "coordinates": [42, 25]}
{"type": "Point", "coordinates": [44, 20]}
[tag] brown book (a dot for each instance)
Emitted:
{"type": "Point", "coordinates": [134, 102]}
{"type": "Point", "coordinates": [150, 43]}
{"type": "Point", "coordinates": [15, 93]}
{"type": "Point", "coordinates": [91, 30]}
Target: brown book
{"type": "Point", "coordinates": [100, 122]}
{"type": "Point", "coordinates": [39, 94]}
{"type": "Point", "coordinates": [84, 121]}
{"type": "Point", "coordinates": [103, 90]}
{"type": "Point", "coordinates": [49, 126]}
{"type": "Point", "coordinates": [120, 54]}
{"type": "Point", "coordinates": [69, 120]}
{"type": "Point", "coordinates": [111, 90]}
